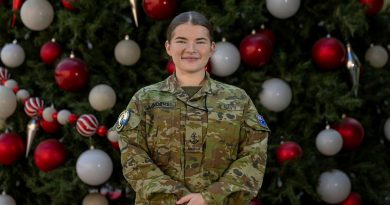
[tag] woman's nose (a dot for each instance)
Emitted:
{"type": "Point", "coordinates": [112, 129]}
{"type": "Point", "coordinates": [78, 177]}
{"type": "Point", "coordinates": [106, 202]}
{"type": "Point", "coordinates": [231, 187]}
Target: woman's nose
{"type": "Point", "coordinates": [191, 47]}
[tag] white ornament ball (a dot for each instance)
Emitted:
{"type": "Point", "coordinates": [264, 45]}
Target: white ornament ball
{"type": "Point", "coordinates": [94, 167]}
{"type": "Point", "coordinates": [6, 199]}
{"type": "Point", "coordinates": [127, 52]}
{"type": "Point", "coordinates": [282, 9]}
{"type": "Point", "coordinates": [63, 116]}
{"type": "Point", "coordinates": [7, 102]}
{"type": "Point", "coordinates": [225, 60]}
{"type": "Point", "coordinates": [11, 84]}
{"type": "Point", "coordinates": [387, 129]}
{"type": "Point", "coordinates": [329, 142]}
{"type": "Point", "coordinates": [377, 56]}
{"type": "Point", "coordinates": [22, 95]}
{"type": "Point", "coordinates": [102, 97]}
{"type": "Point", "coordinates": [276, 95]}
{"type": "Point", "coordinates": [48, 113]}
{"type": "Point", "coordinates": [334, 186]}
{"type": "Point", "coordinates": [95, 199]}
{"type": "Point", "coordinates": [12, 55]}
{"type": "Point", "coordinates": [113, 136]}
{"type": "Point", "coordinates": [37, 15]}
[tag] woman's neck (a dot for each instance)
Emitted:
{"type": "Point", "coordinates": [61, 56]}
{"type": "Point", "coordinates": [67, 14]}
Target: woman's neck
{"type": "Point", "coordinates": [190, 79]}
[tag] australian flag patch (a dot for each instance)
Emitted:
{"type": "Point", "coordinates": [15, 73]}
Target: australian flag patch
{"type": "Point", "coordinates": [261, 121]}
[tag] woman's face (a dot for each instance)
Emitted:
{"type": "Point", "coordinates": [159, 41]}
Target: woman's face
{"type": "Point", "coordinates": [190, 48]}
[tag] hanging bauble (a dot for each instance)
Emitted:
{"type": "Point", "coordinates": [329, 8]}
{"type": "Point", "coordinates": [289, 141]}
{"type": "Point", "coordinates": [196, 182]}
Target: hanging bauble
{"type": "Point", "coordinates": [102, 97]}
{"type": "Point", "coordinates": [94, 167]}
{"type": "Point", "coordinates": [372, 7]}
{"type": "Point", "coordinates": [72, 118]}
{"type": "Point", "coordinates": [63, 116]}
{"type": "Point", "coordinates": [127, 52]}
{"type": "Point", "coordinates": [329, 142]}
{"type": "Point", "coordinates": [22, 95]}
{"type": "Point", "coordinates": [287, 151]}
{"type": "Point", "coordinates": [12, 55]}
{"type": "Point", "coordinates": [71, 74]}
{"type": "Point", "coordinates": [276, 95]}
{"type": "Point", "coordinates": [37, 15]}
{"type": "Point", "coordinates": [352, 132]}
{"type": "Point", "coordinates": [87, 125]}
{"type": "Point", "coordinates": [334, 186]}
{"type": "Point", "coordinates": [269, 33]}
{"type": "Point", "coordinates": [50, 127]}
{"type": "Point", "coordinates": [11, 148]}
{"type": "Point", "coordinates": [12, 85]}
{"type": "Point", "coordinates": [160, 9]}
{"type": "Point", "coordinates": [256, 201]}
{"type": "Point", "coordinates": [386, 129]}
{"type": "Point", "coordinates": [256, 50]}
{"type": "Point", "coordinates": [33, 106]}
{"type": "Point", "coordinates": [71, 5]}
{"type": "Point", "coordinates": [50, 52]}
{"type": "Point", "coordinates": [328, 53]}
{"type": "Point", "coordinates": [282, 9]}
{"type": "Point", "coordinates": [113, 136]}
{"type": "Point", "coordinates": [102, 131]}
{"type": "Point", "coordinates": [226, 59]}
{"type": "Point", "coordinates": [376, 56]}
{"type": "Point", "coordinates": [354, 198]}
{"type": "Point", "coordinates": [95, 199]}
{"type": "Point", "coordinates": [32, 129]}
{"type": "Point", "coordinates": [354, 66]}
{"type": "Point", "coordinates": [4, 75]}
{"type": "Point", "coordinates": [134, 11]}
{"type": "Point", "coordinates": [7, 102]}
{"type": "Point", "coordinates": [49, 154]}
{"type": "Point", "coordinates": [48, 112]}
{"type": "Point", "coordinates": [6, 199]}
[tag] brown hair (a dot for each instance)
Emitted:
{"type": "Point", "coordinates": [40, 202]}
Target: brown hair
{"type": "Point", "coordinates": [192, 17]}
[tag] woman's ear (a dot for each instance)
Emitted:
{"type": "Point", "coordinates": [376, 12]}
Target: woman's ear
{"type": "Point", "coordinates": [213, 45]}
{"type": "Point", "coordinates": [168, 47]}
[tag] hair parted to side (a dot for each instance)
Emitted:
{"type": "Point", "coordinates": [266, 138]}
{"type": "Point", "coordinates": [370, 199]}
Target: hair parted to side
{"type": "Point", "coordinates": [192, 17]}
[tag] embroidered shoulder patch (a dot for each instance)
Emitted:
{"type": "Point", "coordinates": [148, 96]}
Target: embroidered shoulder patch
{"type": "Point", "coordinates": [261, 121]}
{"type": "Point", "coordinates": [122, 120]}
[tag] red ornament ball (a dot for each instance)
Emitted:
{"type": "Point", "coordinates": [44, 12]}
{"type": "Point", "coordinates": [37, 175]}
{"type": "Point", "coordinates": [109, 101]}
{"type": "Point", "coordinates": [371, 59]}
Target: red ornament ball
{"type": "Point", "coordinates": [328, 53]}
{"type": "Point", "coordinates": [72, 118]}
{"type": "Point", "coordinates": [372, 7]}
{"type": "Point", "coordinates": [170, 67]}
{"type": "Point", "coordinates": [71, 5]}
{"type": "Point", "coordinates": [49, 154]}
{"type": "Point", "coordinates": [353, 199]}
{"type": "Point", "coordinates": [160, 9]}
{"type": "Point", "coordinates": [256, 201]}
{"type": "Point", "coordinates": [352, 132]}
{"type": "Point", "coordinates": [50, 127]}
{"type": "Point", "coordinates": [115, 145]}
{"type": "Point", "coordinates": [50, 52]}
{"type": "Point", "coordinates": [256, 50]}
{"type": "Point", "coordinates": [71, 74]}
{"type": "Point", "coordinates": [269, 33]}
{"type": "Point", "coordinates": [102, 130]}
{"type": "Point", "coordinates": [289, 150]}
{"type": "Point", "coordinates": [12, 148]}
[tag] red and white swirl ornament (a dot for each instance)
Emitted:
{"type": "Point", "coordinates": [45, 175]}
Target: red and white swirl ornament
{"type": "Point", "coordinates": [87, 125]}
{"type": "Point", "coordinates": [4, 75]}
{"type": "Point", "coordinates": [33, 106]}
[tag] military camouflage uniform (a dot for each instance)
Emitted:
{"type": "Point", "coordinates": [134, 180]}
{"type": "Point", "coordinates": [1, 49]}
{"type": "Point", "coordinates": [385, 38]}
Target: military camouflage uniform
{"type": "Point", "coordinates": [213, 143]}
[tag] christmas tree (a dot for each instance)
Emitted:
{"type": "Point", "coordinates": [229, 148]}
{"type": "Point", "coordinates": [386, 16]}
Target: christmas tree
{"type": "Point", "coordinates": [316, 70]}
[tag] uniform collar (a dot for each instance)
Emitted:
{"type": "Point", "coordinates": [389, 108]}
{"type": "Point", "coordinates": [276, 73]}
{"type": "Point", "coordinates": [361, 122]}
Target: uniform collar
{"type": "Point", "coordinates": [171, 84]}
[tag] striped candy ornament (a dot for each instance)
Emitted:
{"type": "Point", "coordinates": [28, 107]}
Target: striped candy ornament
{"type": "Point", "coordinates": [87, 125]}
{"type": "Point", "coordinates": [32, 106]}
{"type": "Point", "coordinates": [4, 75]}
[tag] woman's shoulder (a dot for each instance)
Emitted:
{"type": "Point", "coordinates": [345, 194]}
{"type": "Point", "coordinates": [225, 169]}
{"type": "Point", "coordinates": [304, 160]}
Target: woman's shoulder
{"type": "Point", "coordinates": [226, 89]}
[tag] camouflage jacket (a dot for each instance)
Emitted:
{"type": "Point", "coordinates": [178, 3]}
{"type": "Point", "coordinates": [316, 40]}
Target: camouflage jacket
{"type": "Point", "coordinates": [213, 143]}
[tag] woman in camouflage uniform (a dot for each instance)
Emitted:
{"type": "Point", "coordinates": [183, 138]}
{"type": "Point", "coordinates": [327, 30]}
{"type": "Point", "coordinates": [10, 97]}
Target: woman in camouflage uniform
{"type": "Point", "coordinates": [190, 139]}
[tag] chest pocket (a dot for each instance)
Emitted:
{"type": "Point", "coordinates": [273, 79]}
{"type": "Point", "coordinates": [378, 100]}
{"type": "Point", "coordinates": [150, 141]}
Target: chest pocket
{"type": "Point", "coordinates": [162, 131]}
{"type": "Point", "coordinates": [223, 130]}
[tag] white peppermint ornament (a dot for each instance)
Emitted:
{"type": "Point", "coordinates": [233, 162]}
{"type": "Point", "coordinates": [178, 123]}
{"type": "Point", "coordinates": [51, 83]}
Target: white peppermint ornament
{"type": "Point", "coordinates": [276, 95]}
{"type": "Point", "coordinates": [94, 167]}
{"type": "Point", "coordinates": [334, 186]}
{"type": "Point", "coordinates": [127, 52]}
{"type": "Point", "coordinates": [7, 102]}
{"type": "Point", "coordinates": [12, 55]}
{"type": "Point", "coordinates": [282, 9]}
{"type": "Point", "coordinates": [37, 15]}
{"type": "Point", "coordinates": [329, 142]}
{"type": "Point", "coordinates": [95, 199]}
{"type": "Point", "coordinates": [377, 56]}
{"type": "Point", "coordinates": [386, 129]}
{"type": "Point", "coordinates": [48, 113]}
{"type": "Point", "coordinates": [63, 116]}
{"type": "Point", "coordinates": [102, 97]}
{"type": "Point", "coordinates": [225, 60]}
{"type": "Point", "coordinates": [6, 199]}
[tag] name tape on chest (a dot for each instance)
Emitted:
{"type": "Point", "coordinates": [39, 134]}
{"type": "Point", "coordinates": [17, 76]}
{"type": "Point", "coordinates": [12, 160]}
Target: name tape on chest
{"type": "Point", "coordinates": [160, 104]}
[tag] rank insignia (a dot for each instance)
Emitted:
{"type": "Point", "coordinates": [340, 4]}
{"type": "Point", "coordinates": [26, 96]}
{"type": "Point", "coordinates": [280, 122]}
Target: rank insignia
{"type": "Point", "coordinates": [261, 121]}
{"type": "Point", "coordinates": [122, 120]}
